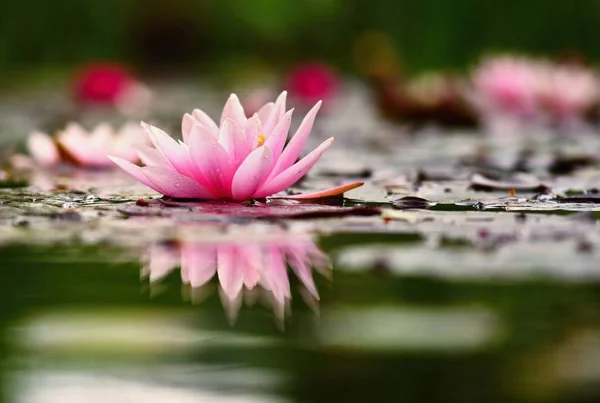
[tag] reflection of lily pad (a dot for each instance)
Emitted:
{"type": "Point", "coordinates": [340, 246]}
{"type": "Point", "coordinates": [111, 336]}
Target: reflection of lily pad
{"type": "Point", "coordinates": [220, 210]}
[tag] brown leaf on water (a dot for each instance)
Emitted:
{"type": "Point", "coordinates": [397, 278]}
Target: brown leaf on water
{"type": "Point", "coordinates": [333, 192]}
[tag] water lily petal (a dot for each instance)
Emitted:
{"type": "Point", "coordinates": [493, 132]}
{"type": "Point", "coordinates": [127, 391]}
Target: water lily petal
{"type": "Point", "coordinates": [151, 156]}
{"type": "Point", "coordinates": [73, 141]}
{"type": "Point", "coordinates": [276, 114]}
{"type": "Point", "coordinates": [234, 110]}
{"type": "Point", "coordinates": [250, 173]}
{"type": "Point", "coordinates": [291, 175]}
{"type": "Point", "coordinates": [99, 144]}
{"type": "Point", "coordinates": [265, 111]}
{"type": "Point", "coordinates": [186, 125]}
{"type": "Point", "coordinates": [134, 171]}
{"type": "Point", "coordinates": [75, 130]}
{"type": "Point", "coordinates": [276, 139]}
{"type": "Point", "coordinates": [101, 137]}
{"type": "Point", "coordinates": [228, 137]}
{"type": "Point", "coordinates": [177, 156]}
{"type": "Point", "coordinates": [174, 184]}
{"type": "Point", "coordinates": [43, 149]}
{"type": "Point", "coordinates": [211, 161]}
{"type": "Point", "coordinates": [128, 136]}
{"type": "Point", "coordinates": [206, 121]}
{"type": "Point", "coordinates": [291, 153]}
{"type": "Point", "coordinates": [248, 140]}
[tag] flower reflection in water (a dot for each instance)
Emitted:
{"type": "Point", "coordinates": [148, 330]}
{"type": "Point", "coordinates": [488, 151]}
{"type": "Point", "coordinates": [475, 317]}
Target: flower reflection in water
{"type": "Point", "coordinates": [248, 267]}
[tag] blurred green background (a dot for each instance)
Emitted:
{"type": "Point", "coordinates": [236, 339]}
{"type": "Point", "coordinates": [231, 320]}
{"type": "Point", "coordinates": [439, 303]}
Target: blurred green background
{"type": "Point", "coordinates": [205, 35]}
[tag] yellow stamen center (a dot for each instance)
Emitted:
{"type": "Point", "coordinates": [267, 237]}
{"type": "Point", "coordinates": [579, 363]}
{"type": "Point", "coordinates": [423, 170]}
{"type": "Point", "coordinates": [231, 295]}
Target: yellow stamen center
{"type": "Point", "coordinates": [261, 139]}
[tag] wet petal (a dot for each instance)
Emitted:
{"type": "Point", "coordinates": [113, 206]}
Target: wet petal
{"type": "Point", "coordinates": [177, 155]}
{"type": "Point", "coordinates": [276, 114]}
{"type": "Point", "coordinates": [264, 112]}
{"type": "Point", "coordinates": [212, 161]}
{"type": "Point", "coordinates": [151, 156]}
{"type": "Point", "coordinates": [228, 136]}
{"type": "Point", "coordinates": [291, 153]}
{"type": "Point", "coordinates": [251, 172]}
{"type": "Point", "coordinates": [276, 139]}
{"type": "Point", "coordinates": [206, 121]}
{"type": "Point", "coordinates": [186, 125]}
{"type": "Point", "coordinates": [291, 175]}
{"type": "Point", "coordinates": [174, 184]}
{"type": "Point", "coordinates": [248, 139]}
{"type": "Point", "coordinates": [234, 110]}
{"type": "Point", "coordinates": [134, 171]}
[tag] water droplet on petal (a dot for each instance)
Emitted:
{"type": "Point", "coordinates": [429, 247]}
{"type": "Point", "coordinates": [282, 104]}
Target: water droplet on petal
{"type": "Point", "coordinates": [177, 184]}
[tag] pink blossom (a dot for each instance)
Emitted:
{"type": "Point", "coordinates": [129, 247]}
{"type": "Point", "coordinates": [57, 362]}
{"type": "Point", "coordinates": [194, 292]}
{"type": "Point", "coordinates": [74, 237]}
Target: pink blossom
{"type": "Point", "coordinates": [568, 91]}
{"type": "Point", "coordinates": [113, 85]}
{"type": "Point", "coordinates": [87, 149]}
{"type": "Point", "coordinates": [310, 82]}
{"type": "Point", "coordinates": [238, 159]}
{"type": "Point", "coordinates": [507, 85]}
{"type": "Point", "coordinates": [255, 264]}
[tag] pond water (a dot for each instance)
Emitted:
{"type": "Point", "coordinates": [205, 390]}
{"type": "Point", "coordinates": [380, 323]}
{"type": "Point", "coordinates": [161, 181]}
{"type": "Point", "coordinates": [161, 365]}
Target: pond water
{"type": "Point", "coordinates": [434, 282]}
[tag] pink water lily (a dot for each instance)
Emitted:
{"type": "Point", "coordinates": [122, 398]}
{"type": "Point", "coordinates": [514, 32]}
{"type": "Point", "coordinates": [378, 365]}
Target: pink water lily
{"type": "Point", "coordinates": [111, 84]}
{"type": "Point", "coordinates": [535, 90]}
{"type": "Point", "coordinates": [86, 149]}
{"type": "Point", "coordinates": [568, 92]}
{"type": "Point", "coordinates": [242, 266]}
{"type": "Point", "coordinates": [507, 85]}
{"type": "Point", "coordinates": [239, 159]}
{"type": "Point", "coordinates": [312, 81]}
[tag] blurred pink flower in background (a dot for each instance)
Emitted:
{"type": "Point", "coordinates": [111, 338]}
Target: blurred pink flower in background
{"type": "Point", "coordinates": [110, 84]}
{"type": "Point", "coordinates": [243, 266]}
{"type": "Point", "coordinates": [87, 149]}
{"type": "Point", "coordinates": [568, 92]}
{"type": "Point", "coordinates": [507, 85]}
{"type": "Point", "coordinates": [538, 91]}
{"type": "Point", "coordinates": [238, 159]}
{"type": "Point", "coordinates": [311, 82]}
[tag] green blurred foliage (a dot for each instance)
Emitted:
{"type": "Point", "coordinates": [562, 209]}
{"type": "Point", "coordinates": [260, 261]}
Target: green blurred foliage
{"type": "Point", "coordinates": [155, 33]}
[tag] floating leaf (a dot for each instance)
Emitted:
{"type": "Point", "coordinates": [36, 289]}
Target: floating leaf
{"type": "Point", "coordinates": [333, 192]}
